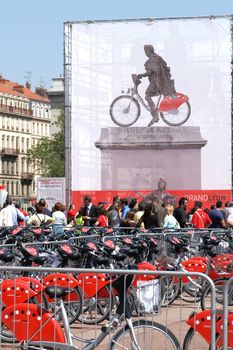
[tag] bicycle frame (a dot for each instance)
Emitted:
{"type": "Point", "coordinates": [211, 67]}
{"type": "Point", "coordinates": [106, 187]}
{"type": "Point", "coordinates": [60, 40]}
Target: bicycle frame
{"type": "Point", "coordinates": [135, 94]}
{"type": "Point", "coordinates": [70, 337]}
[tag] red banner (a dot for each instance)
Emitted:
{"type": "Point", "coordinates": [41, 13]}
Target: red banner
{"type": "Point", "coordinates": [207, 197]}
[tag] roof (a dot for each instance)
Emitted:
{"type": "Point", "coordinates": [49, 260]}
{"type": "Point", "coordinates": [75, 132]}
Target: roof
{"type": "Point", "coordinates": [12, 88]}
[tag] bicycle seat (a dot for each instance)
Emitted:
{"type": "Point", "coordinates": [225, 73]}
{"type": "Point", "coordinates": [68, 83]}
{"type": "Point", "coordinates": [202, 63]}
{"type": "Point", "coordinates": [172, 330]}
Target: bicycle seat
{"type": "Point", "coordinates": [7, 256]}
{"type": "Point", "coordinates": [56, 292]}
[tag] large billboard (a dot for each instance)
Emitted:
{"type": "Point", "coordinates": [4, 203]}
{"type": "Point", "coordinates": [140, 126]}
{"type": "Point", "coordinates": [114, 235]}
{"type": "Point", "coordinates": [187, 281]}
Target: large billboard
{"type": "Point", "coordinates": [149, 107]}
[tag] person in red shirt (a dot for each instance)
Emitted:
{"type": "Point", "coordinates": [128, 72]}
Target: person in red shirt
{"type": "Point", "coordinates": [200, 219]}
{"type": "Point", "coordinates": [102, 220]}
{"type": "Point", "coordinates": [71, 213]}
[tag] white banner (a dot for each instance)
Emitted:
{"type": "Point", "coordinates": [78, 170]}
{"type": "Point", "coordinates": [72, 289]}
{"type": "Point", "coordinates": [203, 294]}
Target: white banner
{"type": "Point", "coordinates": [105, 55]}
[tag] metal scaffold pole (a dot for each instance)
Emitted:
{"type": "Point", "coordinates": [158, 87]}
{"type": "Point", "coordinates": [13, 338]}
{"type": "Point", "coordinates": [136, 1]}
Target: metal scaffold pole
{"type": "Point", "coordinates": [67, 81]}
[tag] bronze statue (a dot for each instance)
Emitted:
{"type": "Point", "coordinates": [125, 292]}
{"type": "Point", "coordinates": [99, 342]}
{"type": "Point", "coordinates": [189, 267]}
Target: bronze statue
{"type": "Point", "coordinates": [159, 76]}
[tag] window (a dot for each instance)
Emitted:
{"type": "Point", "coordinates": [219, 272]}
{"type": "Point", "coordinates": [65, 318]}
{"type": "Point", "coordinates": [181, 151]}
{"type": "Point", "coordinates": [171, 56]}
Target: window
{"type": "Point", "coordinates": [17, 188]}
{"type": "Point", "coordinates": [8, 142]}
{"type": "Point", "coordinates": [3, 122]}
{"type": "Point", "coordinates": [28, 143]}
{"type": "Point", "coordinates": [22, 145]}
{"type": "Point", "coordinates": [22, 165]}
{"type": "Point", "coordinates": [3, 167]}
{"type": "Point", "coordinates": [3, 141]}
{"type": "Point", "coordinates": [8, 169]}
{"type": "Point", "coordinates": [12, 166]}
{"type": "Point", "coordinates": [12, 187]}
{"type": "Point", "coordinates": [17, 166]}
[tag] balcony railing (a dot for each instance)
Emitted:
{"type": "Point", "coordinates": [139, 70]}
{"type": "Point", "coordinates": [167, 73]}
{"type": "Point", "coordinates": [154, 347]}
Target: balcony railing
{"type": "Point", "coordinates": [16, 110]}
{"type": "Point", "coordinates": [26, 176]}
{"type": "Point", "coordinates": [10, 152]}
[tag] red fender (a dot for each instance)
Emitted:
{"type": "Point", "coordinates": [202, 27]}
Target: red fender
{"type": "Point", "coordinates": [36, 285]}
{"type": "Point", "coordinates": [201, 322]}
{"type": "Point", "coordinates": [15, 291]}
{"type": "Point", "coordinates": [61, 280]}
{"type": "Point", "coordinates": [93, 283]}
{"type": "Point", "coordinates": [219, 330]}
{"type": "Point", "coordinates": [25, 319]}
{"type": "Point", "coordinates": [193, 265]}
{"type": "Point", "coordinates": [144, 266]}
{"type": "Point", "coordinates": [169, 103]}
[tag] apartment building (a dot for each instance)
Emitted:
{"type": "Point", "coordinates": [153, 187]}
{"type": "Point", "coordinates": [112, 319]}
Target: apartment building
{"type": "Point", "coordinates": [56, 96]}
{"type": "Point", "coordinates": [25, 117]}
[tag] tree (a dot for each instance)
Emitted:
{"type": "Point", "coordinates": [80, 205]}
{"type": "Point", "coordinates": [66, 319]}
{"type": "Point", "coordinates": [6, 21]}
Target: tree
{"type": "Point", "coordinates": [48, 156]}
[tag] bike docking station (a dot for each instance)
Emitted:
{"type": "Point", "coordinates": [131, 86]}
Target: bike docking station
{"type": "Point", "coordinates": [134, 157]}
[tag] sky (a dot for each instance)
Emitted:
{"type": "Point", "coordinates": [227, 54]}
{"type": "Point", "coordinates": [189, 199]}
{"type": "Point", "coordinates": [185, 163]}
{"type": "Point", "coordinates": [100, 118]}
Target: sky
{"type": "Point", "coordinates": [32, 31]}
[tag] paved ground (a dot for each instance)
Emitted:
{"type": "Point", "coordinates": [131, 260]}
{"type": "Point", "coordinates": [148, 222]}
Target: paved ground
{"type": "Point", "coordinates": [173, 317]}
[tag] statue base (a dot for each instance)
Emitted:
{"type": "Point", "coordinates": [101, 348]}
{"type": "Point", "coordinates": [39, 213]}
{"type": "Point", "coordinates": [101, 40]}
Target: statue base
{"type": "Point", "coordinates": [135, 158]}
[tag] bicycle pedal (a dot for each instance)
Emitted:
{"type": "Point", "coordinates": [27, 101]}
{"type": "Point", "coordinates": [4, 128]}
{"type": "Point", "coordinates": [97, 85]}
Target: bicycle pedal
{"type": "Point", "coordinates": [110, 327]}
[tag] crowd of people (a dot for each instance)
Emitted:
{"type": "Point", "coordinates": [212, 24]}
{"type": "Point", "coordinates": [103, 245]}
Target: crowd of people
{"type": "Point", "coordinates": [123, 212]}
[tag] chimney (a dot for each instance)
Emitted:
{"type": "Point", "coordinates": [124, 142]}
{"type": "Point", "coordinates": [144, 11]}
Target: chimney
{"type": "Point", "coordinates": [2, 80]}
{"type": "Point", "coordinates": [28, 85]}
{"type": "Point", "coordinates": [19, 88]}
{"type": "Point", "coordinates": [41, 91]}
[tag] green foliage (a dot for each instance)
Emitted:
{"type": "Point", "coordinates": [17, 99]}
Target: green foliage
{"type": "Point", "coordinates": [48, 156]}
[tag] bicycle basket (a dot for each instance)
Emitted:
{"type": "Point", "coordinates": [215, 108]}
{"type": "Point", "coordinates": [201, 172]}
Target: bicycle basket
{"type": "Point", "coordinates": [149, 296]}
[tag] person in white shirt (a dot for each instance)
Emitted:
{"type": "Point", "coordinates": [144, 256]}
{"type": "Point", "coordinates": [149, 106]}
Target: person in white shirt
{"type": "Point", "coordinates": [59, 219]}
{"type": "Point", "coordinates": [10, 215]}
{"type": "Point", "coordinates": [39, 218]}
{"type": "Point", "coordinates": [170, 221]}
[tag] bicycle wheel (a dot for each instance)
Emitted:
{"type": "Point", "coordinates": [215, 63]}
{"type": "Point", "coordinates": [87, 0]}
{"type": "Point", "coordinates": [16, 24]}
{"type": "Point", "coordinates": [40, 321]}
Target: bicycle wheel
{"type": "Point", "coordinates": [194, 341]}
{"type": "Point", "coordinates": [124, 110]}
{"type": "Point", "coordinates": [150, 336]}
{"type": "Point", "coordinates": [206, 295]}
{"type": "Point", "coordinates": [177, 116]}
{"type": "Point", "coordinates": [96, 309]}
{"type": "Point", "coordinates": [7, 335]}
{"type": "Point", "coordinates": [73, 305]}
{"type": "Point", "coordinates": [170, 290]}
{"type": "Point", "coordinates": [192, 293]}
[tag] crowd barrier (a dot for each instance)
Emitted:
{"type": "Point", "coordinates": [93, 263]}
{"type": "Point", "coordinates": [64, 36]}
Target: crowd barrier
{"type": "Point", "coordinates": [155, 328]}
{"type": "Point", "coordinates": [227, 300]}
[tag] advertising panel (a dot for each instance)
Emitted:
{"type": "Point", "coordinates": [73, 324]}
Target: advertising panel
{"type": "Point", "coordinates": [52, 189]}
{"type": "Point", "coordinates": [150, 107]}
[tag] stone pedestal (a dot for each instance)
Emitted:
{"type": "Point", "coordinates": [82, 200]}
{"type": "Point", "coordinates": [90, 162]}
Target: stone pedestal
{"type": "Point", "coordinates": [135, 158]}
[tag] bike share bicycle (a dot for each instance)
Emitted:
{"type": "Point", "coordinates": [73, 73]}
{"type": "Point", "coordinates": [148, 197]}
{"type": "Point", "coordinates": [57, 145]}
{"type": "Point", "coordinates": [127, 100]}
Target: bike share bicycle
{"type": "Point", "coordinates": [125, 109]}
{"type": "Point", "coordinates": [36, 328]}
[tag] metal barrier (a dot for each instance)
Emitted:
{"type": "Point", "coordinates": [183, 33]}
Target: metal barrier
{"type": "Point", "coordinates": [158, 334]}
{"type": "Point", "coordinates": [227, 289]}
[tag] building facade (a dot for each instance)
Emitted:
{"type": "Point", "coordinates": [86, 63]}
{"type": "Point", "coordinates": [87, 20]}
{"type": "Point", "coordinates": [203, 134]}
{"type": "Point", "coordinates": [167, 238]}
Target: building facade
{"type": "Point", "coordinates": [57, 101]}
{"type": "Point", "coordinates": [25, 118]}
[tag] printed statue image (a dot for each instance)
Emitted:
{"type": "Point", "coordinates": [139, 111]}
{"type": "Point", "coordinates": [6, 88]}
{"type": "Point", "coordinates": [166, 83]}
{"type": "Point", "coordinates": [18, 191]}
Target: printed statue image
{"type": "Point", "coordinates": [173, 107]}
